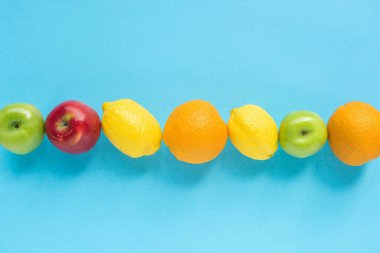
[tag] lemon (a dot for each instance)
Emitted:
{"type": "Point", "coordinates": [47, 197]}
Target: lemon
{"type": "Point", "coordinates": [253, 132]}
{"type": "Point", "coordinates": [131, 128]}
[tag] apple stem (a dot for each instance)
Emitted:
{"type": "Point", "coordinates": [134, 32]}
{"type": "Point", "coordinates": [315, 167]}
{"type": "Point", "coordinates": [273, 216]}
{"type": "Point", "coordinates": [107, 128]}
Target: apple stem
{"type": "Point", "coordinates": [64, 123]}
{"type": "Point", "coordinates": [16, 125]}
{"type": "Point", "coordinates": [304, 132]}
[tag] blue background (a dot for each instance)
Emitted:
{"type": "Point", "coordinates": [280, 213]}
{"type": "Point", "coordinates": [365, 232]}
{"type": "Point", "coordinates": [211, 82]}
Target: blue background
{"type": "Point", "coordinates": [283, 56]}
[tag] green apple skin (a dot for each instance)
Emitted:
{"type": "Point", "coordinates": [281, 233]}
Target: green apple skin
{"type": "Point", "coordinates": [21, 128]}
{"type": "Point", "coordinates": [302, 133]}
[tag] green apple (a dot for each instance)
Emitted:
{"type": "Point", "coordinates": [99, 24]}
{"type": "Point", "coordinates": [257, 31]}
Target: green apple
{"type": "Point", "coordinates": [302, 133]}
{"type": "Point", "coordinates": [21, 128]}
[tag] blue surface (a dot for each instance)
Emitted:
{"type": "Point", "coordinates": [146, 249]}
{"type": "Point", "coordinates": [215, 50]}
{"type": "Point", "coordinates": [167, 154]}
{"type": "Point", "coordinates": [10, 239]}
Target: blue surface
{"type": "Point", "coordinates": [282, 56]}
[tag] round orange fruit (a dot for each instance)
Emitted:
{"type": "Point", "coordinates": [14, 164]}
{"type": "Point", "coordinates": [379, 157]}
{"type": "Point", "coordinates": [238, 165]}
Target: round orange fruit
{"type": "Point", "coordinates": [354, 133]}
{"type": "Point", "coordinates": [195, 133]}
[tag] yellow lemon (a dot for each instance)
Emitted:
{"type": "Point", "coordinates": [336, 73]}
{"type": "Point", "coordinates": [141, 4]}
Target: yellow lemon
{"type": "Point", "coordinates": [253, 132]}
{"type": "Point", "coordinates": [131, 128]}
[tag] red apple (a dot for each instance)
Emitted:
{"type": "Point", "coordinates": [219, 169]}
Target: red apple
{"type": "Point", "coordinates": [73, 127]}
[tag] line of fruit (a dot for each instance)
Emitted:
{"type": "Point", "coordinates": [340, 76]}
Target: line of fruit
{"type": "Point", "coordinates": [194, 132]}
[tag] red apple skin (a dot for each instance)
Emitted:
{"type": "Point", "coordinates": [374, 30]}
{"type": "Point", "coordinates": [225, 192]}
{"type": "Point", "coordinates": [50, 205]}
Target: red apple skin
{"type": "Point", "coordinates": [73, 127]}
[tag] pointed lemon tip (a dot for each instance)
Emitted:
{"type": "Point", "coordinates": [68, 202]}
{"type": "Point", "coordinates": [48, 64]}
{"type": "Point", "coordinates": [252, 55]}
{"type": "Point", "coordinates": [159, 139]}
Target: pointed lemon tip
{"type": "Point", "coordinates": [105, 106]}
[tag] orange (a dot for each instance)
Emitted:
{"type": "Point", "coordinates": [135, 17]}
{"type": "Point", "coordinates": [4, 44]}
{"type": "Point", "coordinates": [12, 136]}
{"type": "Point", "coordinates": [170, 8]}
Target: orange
{"type": "Point", "coordinates": [354, 133]}
{"type": "Point", "coordinates": [195, 133]}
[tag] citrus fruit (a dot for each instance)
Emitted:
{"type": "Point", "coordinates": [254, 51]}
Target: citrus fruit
{"type": "Point", "coordinates": [131, 128]}
{"type": "Point", "coordinates": [253, 132]}
{"type": "Point", "coordinates": [354, 133]}
{"type": "Point", "coordinates": [195, 133]}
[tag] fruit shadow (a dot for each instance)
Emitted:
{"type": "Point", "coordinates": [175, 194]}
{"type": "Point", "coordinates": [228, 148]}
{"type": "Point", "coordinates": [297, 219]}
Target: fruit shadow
{"type": "Point", "coordinates": [177, 173]}
{"type": "Point", "coordinates": [48, 160]}
{"type": "Point", "coordinates": [333, 173]}
{"type": "Point", "coordinates": [280, 167]}
{"type": "Point", "coordinates": [161, 165]}
{"type": "Point", "coordinates": [110, 159]}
